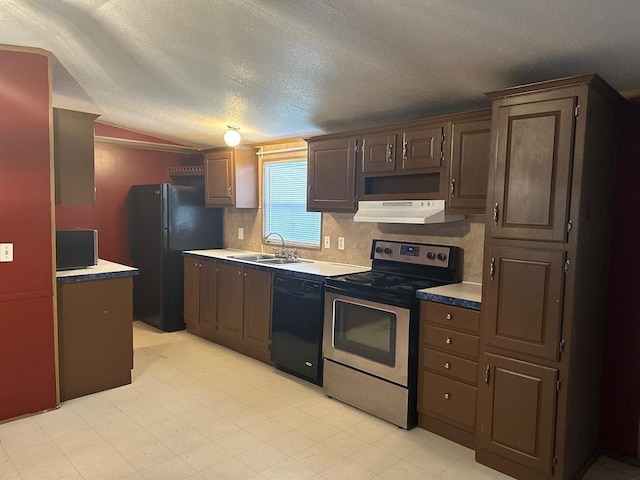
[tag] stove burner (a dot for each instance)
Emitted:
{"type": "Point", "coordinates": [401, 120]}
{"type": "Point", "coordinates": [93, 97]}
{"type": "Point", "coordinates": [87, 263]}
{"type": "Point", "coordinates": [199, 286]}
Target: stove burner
{"type": "Point", "coordinates": [363, 277]}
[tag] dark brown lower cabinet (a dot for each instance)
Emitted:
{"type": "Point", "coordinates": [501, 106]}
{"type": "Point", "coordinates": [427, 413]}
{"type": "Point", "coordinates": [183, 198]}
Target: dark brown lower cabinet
{"type": "Point", "coordinates": [200, 296]}
{"type": "Point", "coordinates": [447, 378]}
{"type": "Point", "coordinates": [95, 335]}
{"type": "Point", "coordinates": [230, 305]}
{"type": "Point", "coordinates": [517, 412]}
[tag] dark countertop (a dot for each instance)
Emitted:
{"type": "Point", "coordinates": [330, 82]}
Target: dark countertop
{"type": "Point", "coordinates": [464, 295]}
{"type": "Point", "coordinates": [103, 270]}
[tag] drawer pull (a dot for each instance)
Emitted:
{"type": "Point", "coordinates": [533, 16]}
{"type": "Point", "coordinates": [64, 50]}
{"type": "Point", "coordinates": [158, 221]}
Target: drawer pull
{"type": "Point", "coordinates": [448, 316]}
{"type": "Point", "coordinates": [447, 396]}
{"type": "Point", "coordinates": [448, 341]}
{"type": "Point", "coordinates": [447, 365]}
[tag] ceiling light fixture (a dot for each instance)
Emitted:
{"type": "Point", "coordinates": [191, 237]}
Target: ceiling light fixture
{"type": "Point", "coordinates": [232, 136]}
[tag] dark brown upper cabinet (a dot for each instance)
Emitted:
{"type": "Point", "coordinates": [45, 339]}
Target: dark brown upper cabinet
{"type": "Point", "coordinates": [410, 161]}
{"type": "Point", "coordinates": [470, 147]}
{"type": "Point", "coordinates": [331, 175]}
{"type": "Point", "coordinates": [533, 170]}
{"type": "Point", "coordinates": [231, 177]}
{"type": "Point", "coordinates": [73, 157]}
{"type": "Point", "coordinates": [524, 301]}
{"type": "Point", "coordinates": [403, 150]}
{"type": "Point", "coordinates": [516, 412]}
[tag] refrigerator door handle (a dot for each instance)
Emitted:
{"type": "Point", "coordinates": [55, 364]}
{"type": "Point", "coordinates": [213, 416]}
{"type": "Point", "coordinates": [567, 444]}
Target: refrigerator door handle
{"type": "Point", "coordinates": [131, 227]}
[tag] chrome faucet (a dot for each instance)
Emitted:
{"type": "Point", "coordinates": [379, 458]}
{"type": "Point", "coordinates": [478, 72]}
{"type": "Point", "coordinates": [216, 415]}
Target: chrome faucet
{"type": "Point", "coordinates": [281, 252]}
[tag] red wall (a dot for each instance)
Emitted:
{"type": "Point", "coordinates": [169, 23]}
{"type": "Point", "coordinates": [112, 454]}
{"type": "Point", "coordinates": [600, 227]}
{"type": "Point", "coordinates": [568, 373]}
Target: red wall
{"type": "Point", "coordinates": [620, 395]}
{"type": "Point", "coordinates": [117, 168]}
{"type": "Point", "coordinates": [27, 355]}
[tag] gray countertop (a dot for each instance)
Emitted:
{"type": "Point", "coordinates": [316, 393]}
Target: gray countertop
{"type": "Point", "coordinates": [465, 295]}
{"type": "Point", "coordinates": [103, 270]}
{"type": "Point", "coordinates": [306, 268]}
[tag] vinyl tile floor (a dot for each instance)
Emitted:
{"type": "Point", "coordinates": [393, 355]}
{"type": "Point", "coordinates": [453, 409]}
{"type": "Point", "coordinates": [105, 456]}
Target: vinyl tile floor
{"type": "Point", "coordinates": [196, 410]}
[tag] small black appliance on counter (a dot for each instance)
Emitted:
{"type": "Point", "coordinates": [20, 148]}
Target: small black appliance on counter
{"type": "Point", "coordinates": [77, 248]}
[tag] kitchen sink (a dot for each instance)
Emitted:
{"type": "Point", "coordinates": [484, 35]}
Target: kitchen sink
{"type": "Point", "coordinates": [255, 257]}
{"type": "Point", "coordinates": [282, 261]}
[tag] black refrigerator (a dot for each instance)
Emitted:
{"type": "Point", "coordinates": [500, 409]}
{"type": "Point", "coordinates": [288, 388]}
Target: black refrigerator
{"type": "Point", "coordinates": [165, 220]}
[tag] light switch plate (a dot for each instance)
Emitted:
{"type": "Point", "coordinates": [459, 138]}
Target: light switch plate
{"type": "Point", "coordinates": [340, 243]}
{"type": "Point", "coordinates": [6, 252]}
{"type": "Point", "coordinates": [327, 241]}
{"type": "Point", "coordinates": [240, 233]}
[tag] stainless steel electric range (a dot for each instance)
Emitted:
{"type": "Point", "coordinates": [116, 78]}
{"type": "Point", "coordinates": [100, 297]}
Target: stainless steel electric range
{"type": "Point", "coordinates": [370, 341]}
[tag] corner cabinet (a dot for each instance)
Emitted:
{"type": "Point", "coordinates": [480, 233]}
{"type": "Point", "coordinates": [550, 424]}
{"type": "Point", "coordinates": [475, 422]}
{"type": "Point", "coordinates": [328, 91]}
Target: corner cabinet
{"type": "Point", "coordinates": [439, 158]}
{"type": "Point", "coordinates": [549, 204]}
{"type": "Point", "coordinates": [331, 175]}
{"type": "Point", "coordinates": [231, 177]}
{"type": "Point", "coordinates": [229, 304]}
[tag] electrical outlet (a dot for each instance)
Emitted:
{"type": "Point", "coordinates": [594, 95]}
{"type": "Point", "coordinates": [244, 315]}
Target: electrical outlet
{"type": "Point", "coordinates": [327, 241]}
{"type": "Point", "coordinates": [240, 233]}
{"type": "Point", "coordinates": [340, 243]}
{"type": "Point", "coordinates": [6, 252]}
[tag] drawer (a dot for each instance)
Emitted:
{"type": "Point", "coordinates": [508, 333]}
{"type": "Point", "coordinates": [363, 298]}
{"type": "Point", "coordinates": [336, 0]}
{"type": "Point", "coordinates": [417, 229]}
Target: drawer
{"type": "Point", "coordinates": [450, 317]}
{"type": "Point", "coordinates": [448, 398]}
{"type": "Point", "coordinates": [450, 341]}
{"type": "Point", "coordinates": [450, 365]}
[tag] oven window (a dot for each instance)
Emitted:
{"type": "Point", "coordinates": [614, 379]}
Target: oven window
{"type": "Point", "coordinates": [365, 331]}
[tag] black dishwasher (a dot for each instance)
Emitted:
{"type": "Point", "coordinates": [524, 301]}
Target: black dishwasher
{"type": "Point", "coordinates": [296, 330]}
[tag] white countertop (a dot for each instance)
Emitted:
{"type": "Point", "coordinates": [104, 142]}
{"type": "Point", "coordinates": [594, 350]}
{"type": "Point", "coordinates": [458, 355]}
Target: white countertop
{"type": "Point", "coordinates": [311, 267]}
{"type": "Point", "coordinates": [104, 269]}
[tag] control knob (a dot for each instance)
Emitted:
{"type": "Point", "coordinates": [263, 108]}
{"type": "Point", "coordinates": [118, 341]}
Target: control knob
{"type": "Point", "coordinates": [387, 250]}
{"type": "Point", "coordinates": [442, 257]}
{"type": "Point", "coordinates": [431, 255]}
{"type": "Point", "coordinates": [378, 249]}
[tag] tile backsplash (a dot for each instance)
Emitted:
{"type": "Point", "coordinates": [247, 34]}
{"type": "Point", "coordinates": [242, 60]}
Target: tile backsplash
{"type": "Point", "coordinates": [467, 234]}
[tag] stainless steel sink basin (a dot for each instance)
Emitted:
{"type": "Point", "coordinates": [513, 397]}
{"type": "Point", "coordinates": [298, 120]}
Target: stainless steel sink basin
{"type": "Point", "coordinates": [255, 257]}
{"type": "Point", "coordinates": [282, 261]}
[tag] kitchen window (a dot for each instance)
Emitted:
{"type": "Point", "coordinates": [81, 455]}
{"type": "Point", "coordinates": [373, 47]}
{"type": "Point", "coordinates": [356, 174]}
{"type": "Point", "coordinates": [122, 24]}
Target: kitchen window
{"type": "Point", "coordinates": [285, 204]}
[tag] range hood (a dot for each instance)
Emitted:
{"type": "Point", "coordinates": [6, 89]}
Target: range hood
{"type": "Point", "coordinates": [404, 211]}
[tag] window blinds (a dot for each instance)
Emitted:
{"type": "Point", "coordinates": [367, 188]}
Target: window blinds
{"type": "Point", "coordinates": [285, 204]}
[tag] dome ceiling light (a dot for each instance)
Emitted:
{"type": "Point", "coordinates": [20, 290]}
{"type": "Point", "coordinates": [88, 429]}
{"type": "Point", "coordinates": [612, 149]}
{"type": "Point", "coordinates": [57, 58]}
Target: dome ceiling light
{"type": "Point", "coordinates": [232, 135]}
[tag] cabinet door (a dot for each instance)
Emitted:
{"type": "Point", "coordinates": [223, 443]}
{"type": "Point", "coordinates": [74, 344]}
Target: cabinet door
{"type": "Point", "coordinates": [219, 178]}
{"type": "Point", "coordinates": [421, 147]}
{"type": "Point", "coordinates": [470, 146]}
{"type": "Point", "coordinates": [231, 301]}
{"type": "Point", "coordinates": [524, 300]}
{"type": "Point", "coordinates": [331, 176]}
{"type": "Point", "coordinates": [378, 153]}
{"type": "Point", "coordinates": [73, 157]}
{"type": "Point", "coordinates": [208, 295]}
{"type": "Point", "coordinates": [257, 308]}
{"type": "Point", "coordinates": [191, 291]}
{"type": "Point", "coordinates": [533, 170]}
{"type": "Point", "coordinates": [517, 411]}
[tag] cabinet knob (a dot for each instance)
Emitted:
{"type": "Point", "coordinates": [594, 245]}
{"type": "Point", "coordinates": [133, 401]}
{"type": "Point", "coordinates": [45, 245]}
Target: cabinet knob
{"type": "Point", "coordinates": [245, 274]}
{"type": "Point", "coordinates": [447, 365]}
{"type": "Point", "coordinates": [453, 187]}
{"type": "Point", "coordinates": [447, 396]}
{"type": "Point", "coordinates": [448, 316]}
{"type": "Point", "coordinates": [448, 341]}
{"type": "Point", "coordinates": [239, 272]}
{"type": "Point", "coordinates": [229, 192]}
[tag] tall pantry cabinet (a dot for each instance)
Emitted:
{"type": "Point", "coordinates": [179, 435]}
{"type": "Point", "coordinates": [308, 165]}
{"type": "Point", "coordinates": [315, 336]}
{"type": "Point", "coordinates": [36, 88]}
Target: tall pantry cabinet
{"type": "Point", "coordinates": [549, 204]}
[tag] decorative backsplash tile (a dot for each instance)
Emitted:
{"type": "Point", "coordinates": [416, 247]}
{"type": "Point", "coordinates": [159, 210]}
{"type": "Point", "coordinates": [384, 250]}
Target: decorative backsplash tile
{"type": "Point", "coordinates": [467, 234]}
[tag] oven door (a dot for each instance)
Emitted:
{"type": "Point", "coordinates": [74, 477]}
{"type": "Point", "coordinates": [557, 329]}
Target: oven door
{"type": "Point", "coordinates": [367, 335]}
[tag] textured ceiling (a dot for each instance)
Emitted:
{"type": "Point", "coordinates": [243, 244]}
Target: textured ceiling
{"type": "Point", "coordinates": [184, 69]}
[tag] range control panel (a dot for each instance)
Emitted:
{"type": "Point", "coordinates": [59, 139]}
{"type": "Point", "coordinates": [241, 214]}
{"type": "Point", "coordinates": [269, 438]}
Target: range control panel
{"type": "Point", "coordinates": [415, 253]}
